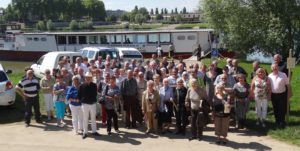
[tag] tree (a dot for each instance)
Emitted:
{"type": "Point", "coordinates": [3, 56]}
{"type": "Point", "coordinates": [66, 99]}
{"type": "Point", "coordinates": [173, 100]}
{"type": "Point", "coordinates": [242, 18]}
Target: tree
{"type": "Point", "coordinates": [268, 26]}
{"type": "Point", "coordinates": [172, 11]}
{"type": "Point", "coordinates": [178, 18]}
{"type": "Point", "coordinates": [159, 17]}
{"type": "Point", "coordinates": [40, 25]}
{"type": "Point", "coordinates": [176, 11]}
{"type": "Point", "coordinates": [162, 11]}
{"type": "Point", "coordinates": [151, 11]}
{"type": "Point", "coordinates": [74, 25]}
{"type": "Point", "coordinates": [184, 10]}
{"type": "Point", "coordinates": [50, 25]}
{"type": "Point", "coordinates": [125, 17]}
{"type": "Point", "coordinates": [140, 18]}
{"type": "Point", "coordinates": [165, 11]}
{"type": "Point", "coordinates": [156, 11]}
{"type": "Point", "coordinates": [111, 18]}
{"type": "Point", "coordinates": [95, 9]}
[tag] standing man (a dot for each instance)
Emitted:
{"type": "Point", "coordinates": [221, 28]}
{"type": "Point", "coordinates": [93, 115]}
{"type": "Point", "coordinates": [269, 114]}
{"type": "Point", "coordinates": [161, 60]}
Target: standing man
{"type": "Point", "coordinates": [129, 92]}
{"type": "Point", "coordinates": [171, 50]}
{"type": "Point", "coordinates": [279, 85]}
{"type": "Point", "coordinates": [197, 52]}
{"type": "Point", "coordinates": [87, 94]}
{"type": "Point", "coordinates": [29, 88]}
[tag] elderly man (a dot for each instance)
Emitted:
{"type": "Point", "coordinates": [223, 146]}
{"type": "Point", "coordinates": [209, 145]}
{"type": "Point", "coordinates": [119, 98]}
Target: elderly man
{"type": "Point", "coordinates": [29, 88]}
{"type": "Point", "coordinates": [152, 71]}
{"type": "Point", "coordinates": [279, 85]}
{"type": "Point", "coordinates": [87, 94]}
{"type": "Point", "coordinates": [129, 92]}
{"type": "Point", "coordinates": [281, 64]}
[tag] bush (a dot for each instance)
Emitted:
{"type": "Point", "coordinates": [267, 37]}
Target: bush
{"type": "Point", "coordinates": [50, 25]}
{"type": "Point", "coordinates": [40, 25]}
{"type": "Point", "coordinates": [74, 25]}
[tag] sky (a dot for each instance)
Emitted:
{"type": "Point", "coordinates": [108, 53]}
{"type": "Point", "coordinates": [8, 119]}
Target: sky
{"type": "Point", "coordinates": [128, 5]}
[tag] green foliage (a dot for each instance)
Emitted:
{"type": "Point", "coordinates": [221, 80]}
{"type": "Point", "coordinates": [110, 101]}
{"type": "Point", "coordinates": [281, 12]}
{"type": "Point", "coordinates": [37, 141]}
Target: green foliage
{"type": "Point", "coordinates": [125, 17]}
{"type": "Point", "coordinates": [190, 26]}
{"type": "Point", "coordinates": [74, 25]}
{"type": "Point", "coordinates": [159, 17]}
{"type": "Point", "coordinates": [111, 18]}
{"type": "Point", "coordinates": [40, 25]}
{"type": "Point", "coordinates": [140, 19]}
{"type": "Point", "coordinates": [184, 10]}
{"type": "Point", "coordinates": [50, 25]}
{"type": "Point", "coordinates": [270, 26]}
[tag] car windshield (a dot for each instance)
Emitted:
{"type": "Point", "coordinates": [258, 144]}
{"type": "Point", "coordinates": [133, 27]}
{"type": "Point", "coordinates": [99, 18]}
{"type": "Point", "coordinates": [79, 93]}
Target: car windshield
{"type": "Point", "coordinates": [3, 76]}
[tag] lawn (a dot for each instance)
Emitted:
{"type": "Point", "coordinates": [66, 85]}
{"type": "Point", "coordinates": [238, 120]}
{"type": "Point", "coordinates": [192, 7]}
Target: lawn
{"type": "Point", "coordinates": [291, 134]}
{"type": "Point", "coordinates": [191, 26]}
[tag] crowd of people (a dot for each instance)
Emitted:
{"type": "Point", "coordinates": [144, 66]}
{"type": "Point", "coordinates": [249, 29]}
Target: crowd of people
{"type": "Point", "coordinates": [154, 92]}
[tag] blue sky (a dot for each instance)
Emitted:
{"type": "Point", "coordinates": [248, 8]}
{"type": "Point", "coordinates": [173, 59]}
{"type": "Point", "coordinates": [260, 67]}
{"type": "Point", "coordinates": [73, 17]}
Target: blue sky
{"type": "Point", "coordinates": [128, 5]}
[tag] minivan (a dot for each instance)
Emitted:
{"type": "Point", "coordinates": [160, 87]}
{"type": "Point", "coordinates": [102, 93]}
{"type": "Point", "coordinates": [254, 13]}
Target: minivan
{"type": "Point", "coordinates": [92, 53]}
{"type": "Point", "coordinates": [50, 61]}
{"type": "Point", "coordinates": [127, 54]}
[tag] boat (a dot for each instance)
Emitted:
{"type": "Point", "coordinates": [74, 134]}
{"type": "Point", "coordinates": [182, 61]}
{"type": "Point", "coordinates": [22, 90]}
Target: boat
{"type": "Point", "coordinates": [17, 45]}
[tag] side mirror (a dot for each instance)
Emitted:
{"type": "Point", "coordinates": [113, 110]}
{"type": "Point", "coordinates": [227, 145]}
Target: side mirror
{"type": "Point", "coordinates": [8, 71]}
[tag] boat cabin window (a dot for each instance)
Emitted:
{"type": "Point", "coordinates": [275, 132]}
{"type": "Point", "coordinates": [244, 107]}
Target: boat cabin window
{"type": "Point", "coordinates": [61, 40]}
{"type": "Point", "coordinates": [36, 39]}
{"type": "Point", "coordinates": [29, 38]}
{"type": "Point", "coordinates": [116, 39]}
{"type": "Point", "coordinates": [93, 39]}
{"type": "Point", "coordinates": [72, 40]}
{"type": "Point", "coordinates": [43, 39]}
{"type": "Point", "coordinates": [181, 37]}
{"type": "Point", "coordinates": [141, 38]}
{"type": "Point", "coordinates": [128, 39]}
{"type": "Point", "coordinates": [152, 38]}
{"type": "Point", "coordinates": [104, 39]}
{"type": "Point", "coordinates": [82, 39]}
{"type": "Point", "coordinates": [191, 37]}
{"type": "Point", "coordinates": [165, 38]}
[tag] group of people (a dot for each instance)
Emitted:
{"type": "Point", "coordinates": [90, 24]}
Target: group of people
{"type": "Point", "coordinates": [154, 92]}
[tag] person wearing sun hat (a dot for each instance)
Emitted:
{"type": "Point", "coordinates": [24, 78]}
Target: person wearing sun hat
{"type": "Point", "coordinates": [87, 94]}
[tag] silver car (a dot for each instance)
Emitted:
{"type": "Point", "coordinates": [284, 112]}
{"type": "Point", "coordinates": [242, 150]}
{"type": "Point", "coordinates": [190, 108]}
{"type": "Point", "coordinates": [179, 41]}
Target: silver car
{"type": "Point", "coordinates": [7, 90]}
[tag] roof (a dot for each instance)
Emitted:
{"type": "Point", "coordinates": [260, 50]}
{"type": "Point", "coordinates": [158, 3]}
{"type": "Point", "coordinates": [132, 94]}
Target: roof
{"type": "Point", "coordinates": [120, 32]}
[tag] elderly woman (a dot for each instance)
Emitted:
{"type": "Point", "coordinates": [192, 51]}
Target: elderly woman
{"type": "Point", "coordinates": [261, 90]}
{"type": "Point", "coordinates": [150, 105]}
{"type": "Point", "coordinates": [195, 99]}
{"type": "Point", "coordinates": [221, 109]}
{"type": "Point", "coordinates": [241, 90]}
{"type": "Point", "coordinates": [166, 106]}
{"type": "Point", "coordinates": [179, 101]}
{"type": "Point", "coordinates": [75, 105]}
{"type": "Point", "coordinates": [110, 97]}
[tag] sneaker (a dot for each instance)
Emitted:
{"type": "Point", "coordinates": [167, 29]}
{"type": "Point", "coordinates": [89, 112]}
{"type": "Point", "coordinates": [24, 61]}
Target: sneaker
{"type": "Point", "coordinates": [118, 131]}
{"type": "Point", "coordinates": [84, 136]}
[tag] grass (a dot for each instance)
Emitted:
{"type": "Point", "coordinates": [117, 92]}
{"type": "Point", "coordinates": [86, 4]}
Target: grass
{"type": "Point", "coordinates": [291, 134]}
{"type": "Point", "coordinates": [191, 26]}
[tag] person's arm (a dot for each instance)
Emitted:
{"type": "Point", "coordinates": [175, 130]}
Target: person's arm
{"type": "Point", "coordinates": [144, 108]}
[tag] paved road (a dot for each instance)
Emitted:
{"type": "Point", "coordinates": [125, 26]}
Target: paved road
{"type": "Point", "coordinates": [46, 136]}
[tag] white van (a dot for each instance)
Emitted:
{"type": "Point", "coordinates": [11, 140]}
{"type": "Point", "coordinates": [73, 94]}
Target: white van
{"type": "Point", "coordinates": [127, 54]}
{"type": "Point", "coordinates": [92, 53]}
{"type": "Point", "coordinates": [50, 61]}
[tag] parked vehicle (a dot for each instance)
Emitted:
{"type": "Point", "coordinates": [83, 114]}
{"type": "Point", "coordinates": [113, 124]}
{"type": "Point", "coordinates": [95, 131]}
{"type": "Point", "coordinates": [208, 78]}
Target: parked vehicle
{"type": "Point", "coordinates": [92, 53]}
{"type": "Point", "coordinates": [127, 54]}
{"type": "Point", "coordinates": [50, 61]}
{"type": "Point", "coordinates": [7, 90]}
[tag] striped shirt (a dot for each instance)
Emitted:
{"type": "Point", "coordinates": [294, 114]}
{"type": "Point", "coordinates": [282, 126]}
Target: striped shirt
{"type": "Point", "coordinates": [30, 87]}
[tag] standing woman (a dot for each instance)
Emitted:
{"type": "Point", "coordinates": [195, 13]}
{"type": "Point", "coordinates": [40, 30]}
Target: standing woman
{"type": "Point", "coordinates": [181, 114]}
{"type": "Point", "coordinates": [75, 106]}
{"type": "Point", "coordinates": [59, 99]}
{"type": "Point", "coordinates": [261, 90]}
{"type": "Point", "coordinates": [110, 96]}
{"type": "Point", "coordinates": [241, 90]}
{"type": "Point", "coordinates": [221, 113]}
{"type": "Point", "coordinates": [150, 105]}
{"type": "Point", "coordinates": [195, 98]}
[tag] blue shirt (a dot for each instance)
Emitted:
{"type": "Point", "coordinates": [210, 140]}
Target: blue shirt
{"type": "Point", "coordinates": [165, 94]}
{"type": "Point", "coordinates": [72, 93]}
